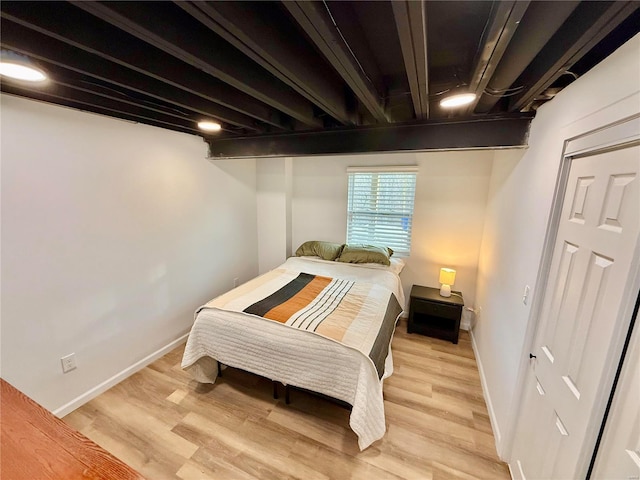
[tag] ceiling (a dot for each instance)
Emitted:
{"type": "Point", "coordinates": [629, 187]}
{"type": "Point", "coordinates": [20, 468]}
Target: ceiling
{"type": "Point", "coordinates": [301, 77]}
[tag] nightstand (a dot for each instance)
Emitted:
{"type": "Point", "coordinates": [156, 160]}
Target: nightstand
{"type": "Point", "coordinates": [433, 315]}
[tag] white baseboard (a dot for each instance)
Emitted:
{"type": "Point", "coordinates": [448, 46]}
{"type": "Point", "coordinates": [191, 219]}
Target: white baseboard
{"type": "Point", "coordinates": [483, 381]}
{"type": "Point", "coordinates": [118, 377]}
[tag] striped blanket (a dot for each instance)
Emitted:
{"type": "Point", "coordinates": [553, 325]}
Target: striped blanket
{"type": "Point", "coordinates": [356, 314]}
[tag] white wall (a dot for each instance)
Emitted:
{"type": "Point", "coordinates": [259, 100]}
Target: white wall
{"type": "Point", "coordinates": [273, 199]}
{"type": "Point", "coordinates": [451, 194]}
{"type": "Point", "coordinates": [112, 234]}
{"type": "Point", "coordinates": [518, 208]}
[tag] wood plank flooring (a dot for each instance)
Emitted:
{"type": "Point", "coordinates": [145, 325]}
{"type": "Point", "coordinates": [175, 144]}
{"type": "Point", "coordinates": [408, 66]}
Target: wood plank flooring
{"type": "Point", "coordinates": [167, 426]}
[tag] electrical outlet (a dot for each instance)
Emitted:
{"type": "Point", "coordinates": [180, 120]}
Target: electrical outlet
{"type": "Point", "coordinates": [68, 363]}
{"type": "Point", "coordinates": [236, 282]}
{"type": "Point", "coordinates": [473, 319]}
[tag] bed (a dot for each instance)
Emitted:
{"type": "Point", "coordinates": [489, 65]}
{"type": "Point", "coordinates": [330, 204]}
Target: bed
{"type": "Point", "coordinates": [338, 344]}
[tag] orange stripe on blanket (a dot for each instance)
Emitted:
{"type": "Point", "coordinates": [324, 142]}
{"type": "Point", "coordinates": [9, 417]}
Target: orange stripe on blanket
{"type": "Point", "coordinates": [304, 297]}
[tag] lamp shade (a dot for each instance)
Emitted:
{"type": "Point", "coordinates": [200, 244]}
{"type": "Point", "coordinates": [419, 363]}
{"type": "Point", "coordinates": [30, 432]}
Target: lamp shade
{"type": "Point", "coordinates": [447, 276]}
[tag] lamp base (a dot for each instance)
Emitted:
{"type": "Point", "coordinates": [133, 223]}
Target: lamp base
{"type": "Point", "coordinates": [445, 290]}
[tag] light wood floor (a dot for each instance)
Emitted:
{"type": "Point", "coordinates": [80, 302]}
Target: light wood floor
{"type": "Point", "coordinates": [166, 425]}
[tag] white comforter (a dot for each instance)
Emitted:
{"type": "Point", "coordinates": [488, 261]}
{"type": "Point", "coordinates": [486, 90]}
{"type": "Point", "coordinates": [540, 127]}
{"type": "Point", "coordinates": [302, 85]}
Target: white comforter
{"type": "Point", "coordinates": [298, 357]}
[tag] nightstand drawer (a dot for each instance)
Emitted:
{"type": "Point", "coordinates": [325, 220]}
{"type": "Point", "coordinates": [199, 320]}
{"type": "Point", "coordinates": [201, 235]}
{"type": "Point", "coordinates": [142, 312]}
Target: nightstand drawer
{"type": "Point", "coordinates": [435, 309]}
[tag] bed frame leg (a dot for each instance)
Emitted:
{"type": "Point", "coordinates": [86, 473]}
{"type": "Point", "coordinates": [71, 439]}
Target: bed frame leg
{"type": "Point", "coordinates": [219, 369]}
{"type": "Point", "coordinates": [275, 390]}
{"type": "Point", "coordinates": [287, 400]}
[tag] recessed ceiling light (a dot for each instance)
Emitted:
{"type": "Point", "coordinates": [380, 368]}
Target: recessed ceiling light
{"type": "Point", "coordinates": [457, 100]}
{"type": "Point", "coordinates": [19, 67]}
{"type": "Point", "coordinates": [209, 126]}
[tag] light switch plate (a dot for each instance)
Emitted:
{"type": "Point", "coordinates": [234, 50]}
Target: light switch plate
{"type": "Point", "coordinates": [525, 295]}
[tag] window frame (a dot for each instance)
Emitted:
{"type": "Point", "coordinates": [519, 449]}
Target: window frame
{"type": "Point", "coordinates": [381, 226]}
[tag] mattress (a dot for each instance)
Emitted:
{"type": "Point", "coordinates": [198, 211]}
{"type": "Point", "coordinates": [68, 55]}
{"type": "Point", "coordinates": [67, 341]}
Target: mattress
{"type": "Point", "coordinates": [295, 356]}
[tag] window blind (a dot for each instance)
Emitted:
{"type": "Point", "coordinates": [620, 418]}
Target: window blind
{"type": "Point", "coordinates": [380, 207]}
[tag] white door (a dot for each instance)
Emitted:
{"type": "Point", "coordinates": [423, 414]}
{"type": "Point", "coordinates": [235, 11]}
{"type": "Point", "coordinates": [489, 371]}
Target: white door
{"type": "Point", "coordinates": [580, 315]}
{"type": "Point", "coordinates": [619, 453]}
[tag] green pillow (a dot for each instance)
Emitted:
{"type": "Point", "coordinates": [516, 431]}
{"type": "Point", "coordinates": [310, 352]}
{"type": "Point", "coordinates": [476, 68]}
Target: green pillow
{"type": "Point", "coordinates": [356, 253]}
{"type": "Point", "coordinates": [325, 250]}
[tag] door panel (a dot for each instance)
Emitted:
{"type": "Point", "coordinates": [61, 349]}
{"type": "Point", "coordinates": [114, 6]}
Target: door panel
{"type": "Point", "coordinates": [619, 453]}
{"type": "Point", "coordinates": [539, 413]}
{"type": "Point", "coordinates": [596, 238]}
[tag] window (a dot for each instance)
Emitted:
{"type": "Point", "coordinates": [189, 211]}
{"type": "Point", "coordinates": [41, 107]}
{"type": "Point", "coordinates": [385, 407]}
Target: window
{"type": "Point", "coordinates": [380, 206]}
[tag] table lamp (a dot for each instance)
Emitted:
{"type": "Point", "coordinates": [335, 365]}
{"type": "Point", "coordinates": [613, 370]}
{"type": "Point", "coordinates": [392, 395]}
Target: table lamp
{"type": "Point", "coordinates": [447, 278]}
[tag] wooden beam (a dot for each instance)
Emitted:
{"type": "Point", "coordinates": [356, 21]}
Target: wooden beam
{"type": "Point", "coordinates": [316, 21]}
{"type": "Point", "coordinates": [537, 27]}
{"type": "Point", "coordinates": [509, 132]}
{"type": "Point", "coordinates": [80, 90]}
{"type": "Point", "coordinates": [155, 24]}
{"type": "Point", "coordinates": [68, 93]}
{"type": "Point", "coordinates": [346, 16]}
{"type": "Point", "coordinates": [62, 60]}
{"type": "Point", "coordinates": [123, 113]}
{"type": "Point", "coordinates": [143, 67]}
{"type": "Point", "coordinates": [90, 83]}
{"type": "Point", "coordinates": [504, 20]}
{"type": "Point", "coordinates": [255, 31]}
{"type": "Point", "coordinates": [587, 26]}
{"type": "Point", "coordinates": [411, 24]}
